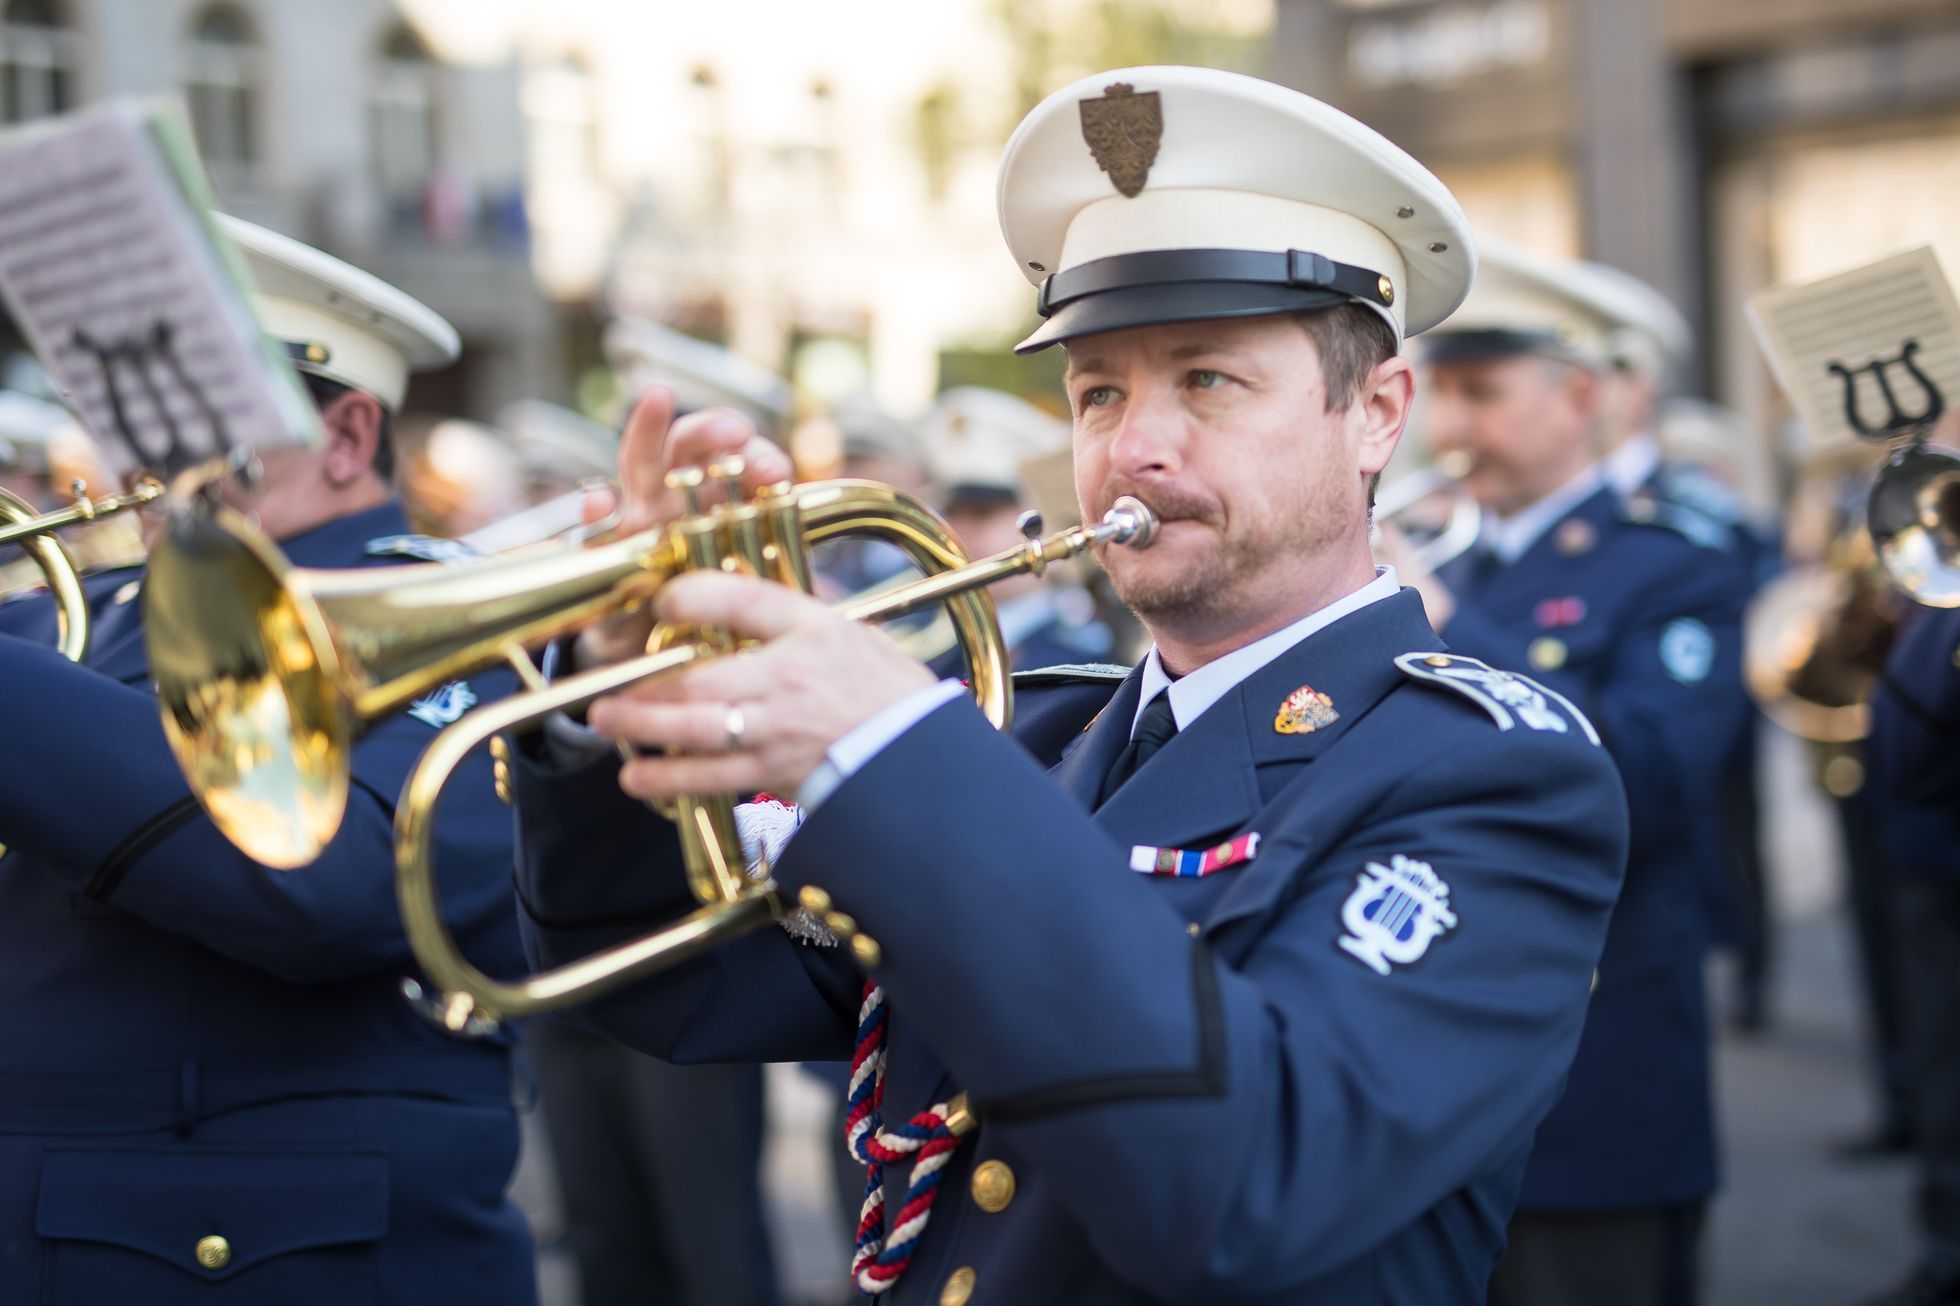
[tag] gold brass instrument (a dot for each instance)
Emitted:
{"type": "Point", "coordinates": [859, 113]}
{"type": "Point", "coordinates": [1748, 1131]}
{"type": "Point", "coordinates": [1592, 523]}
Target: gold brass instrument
{"type": "Point", "coordinates": [35, 533]}
{"type": "Point", "coordinates": [1914, 514]}
{"type": "Point", "coordinates": [1466, 519]}
{"type": "Point", "coordinates": [264, 672]}
{"type": "Point", "coordinates": [1815, 640]}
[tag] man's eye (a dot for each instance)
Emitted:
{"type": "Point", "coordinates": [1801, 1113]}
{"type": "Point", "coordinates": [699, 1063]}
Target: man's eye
{"type": "Point", "coordinates": [1205, 378]}
{"type": "Point", "coordinates": [1098, 395]}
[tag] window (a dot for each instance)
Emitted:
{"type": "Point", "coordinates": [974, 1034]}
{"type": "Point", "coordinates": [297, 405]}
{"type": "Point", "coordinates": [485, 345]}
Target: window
{"type": "Point", "coordinates": [402, 114]}
{"type": "Point", "coordinates": [222, 87]}
{"type": "Point", "coordinates": [37, 60]}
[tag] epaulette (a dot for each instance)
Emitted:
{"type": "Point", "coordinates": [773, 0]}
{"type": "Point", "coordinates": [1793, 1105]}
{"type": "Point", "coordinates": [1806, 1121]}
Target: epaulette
{"type": "Point", "coordinates": [1073, 673]}
{"type": "Point", "coordinates": [428, 548]}
{"type": "Point", "coordinates": [1697, 488]}
{"type": "Point", "coordinates": [1511, 699]}
{"type": "Point", "coordinates": [1696, 527]}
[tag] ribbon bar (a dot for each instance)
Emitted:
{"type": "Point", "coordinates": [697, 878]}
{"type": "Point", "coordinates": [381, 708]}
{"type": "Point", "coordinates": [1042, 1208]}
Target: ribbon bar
{"type": "Point", "coordinates": [1193, 863]}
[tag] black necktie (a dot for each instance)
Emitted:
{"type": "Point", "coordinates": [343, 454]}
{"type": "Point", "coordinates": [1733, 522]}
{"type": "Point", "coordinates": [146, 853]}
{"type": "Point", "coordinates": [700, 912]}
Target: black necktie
{"type": "Point", "coordinates": [1154, 729]}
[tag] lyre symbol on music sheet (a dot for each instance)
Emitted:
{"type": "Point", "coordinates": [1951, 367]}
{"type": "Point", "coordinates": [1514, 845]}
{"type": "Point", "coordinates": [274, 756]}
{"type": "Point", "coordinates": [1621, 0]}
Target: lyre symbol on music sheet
{"type": "Point", "coordinates": [1897, 419]}
{"type": "Point", "coordinates": [142, 357]}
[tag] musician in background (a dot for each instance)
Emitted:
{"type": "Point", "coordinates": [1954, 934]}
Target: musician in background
{"type": "Point", "coordinates": [1914, 758]}
{"type": "Point", "coordinates": [1632, 611]}
{"type": "Point", "coordinates": [976, 443]}
{"type": "Point", "coordinates": [211, 1085]}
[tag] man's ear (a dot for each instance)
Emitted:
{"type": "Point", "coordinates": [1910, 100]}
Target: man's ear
{"type": "Point", "coordinates": [353, 426]}
{"type": "Point", "coordinates": [1383, 410]}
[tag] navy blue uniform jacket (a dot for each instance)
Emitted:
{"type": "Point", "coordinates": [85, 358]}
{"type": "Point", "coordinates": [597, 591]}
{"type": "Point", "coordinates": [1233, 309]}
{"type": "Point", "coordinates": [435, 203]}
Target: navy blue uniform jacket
{"type": "Point", "coordinates": [1640, 625]}
{"type": "Point", "coordinates": [1205, 1097]}
{"type": "Point", "coordinates": [193, 1045]}
{"type": "Point", "coordinates": [1914, 747]}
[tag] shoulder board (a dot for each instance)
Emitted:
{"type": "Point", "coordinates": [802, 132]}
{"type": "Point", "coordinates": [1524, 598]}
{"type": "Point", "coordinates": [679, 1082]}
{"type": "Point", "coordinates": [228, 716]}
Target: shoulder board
{"type": "Point", "coordinates": [426, 548]}
{"type": "Point", "coordinates": [1073, 673]}
{"type": "Point", "coordinates": [1511, 699]}
{"type": "Point", "coordinates": [1695, 487]}
{"type": "Point", "coordinates": [1696, 527]}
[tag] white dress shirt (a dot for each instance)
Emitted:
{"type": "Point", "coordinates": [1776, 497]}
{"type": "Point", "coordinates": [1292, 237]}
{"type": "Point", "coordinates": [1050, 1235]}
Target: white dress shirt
{"type": "Point", "coordinates": [1509, 537]}
{"type": "Point", "coordinates": [1633, 464]}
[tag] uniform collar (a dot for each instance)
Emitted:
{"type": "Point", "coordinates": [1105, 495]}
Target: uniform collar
{"type": "Point", "coordinates": [1205, 779]}
{"type": "Point", "coordinates": [1193, 693]}
{"type": "Point", "coordinates": [1510, 538]}
{"type": "Point", "coordinates": [342, 542]}
{"type": "Point", "coordinates": [1633, 464]}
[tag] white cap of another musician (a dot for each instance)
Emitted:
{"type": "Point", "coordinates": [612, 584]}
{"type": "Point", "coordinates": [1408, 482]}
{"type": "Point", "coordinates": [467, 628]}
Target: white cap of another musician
{"type": "Point", "coordinates": [337, 321]}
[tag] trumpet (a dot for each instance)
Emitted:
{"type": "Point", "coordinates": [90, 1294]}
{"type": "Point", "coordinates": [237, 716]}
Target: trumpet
{"type": "Point", "coordinates": [264, 672]}
{"type": "Point", "coordinates": [35, 533]}
{"type": "Point", "coordinates": [1466, 519]}
{"type": "Point", "coordinates": [1914, 516]}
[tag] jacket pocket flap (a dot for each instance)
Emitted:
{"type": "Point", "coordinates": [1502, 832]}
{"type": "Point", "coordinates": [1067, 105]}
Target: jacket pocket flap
{"type": "Point", "coordinates": [165, 1201]}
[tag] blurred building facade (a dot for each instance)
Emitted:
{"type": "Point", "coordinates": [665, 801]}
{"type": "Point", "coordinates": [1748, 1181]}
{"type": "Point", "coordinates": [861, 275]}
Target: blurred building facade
{"type": "Point", "coordinates": [1713, 147]}
{"type": "Point", "coordinates": [342, 124]}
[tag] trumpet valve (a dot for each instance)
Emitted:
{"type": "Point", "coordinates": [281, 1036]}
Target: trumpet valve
{"type": "Point", "coordinates": [687, 482]}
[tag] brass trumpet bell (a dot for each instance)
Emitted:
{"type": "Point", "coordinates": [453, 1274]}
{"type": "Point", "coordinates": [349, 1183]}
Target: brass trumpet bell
{"type": "Point", "coordinates": [1914, 514]}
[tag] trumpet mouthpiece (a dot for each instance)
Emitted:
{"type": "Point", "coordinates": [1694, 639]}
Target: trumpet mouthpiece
{"type": "Point", "coordinates": [1133, 522]}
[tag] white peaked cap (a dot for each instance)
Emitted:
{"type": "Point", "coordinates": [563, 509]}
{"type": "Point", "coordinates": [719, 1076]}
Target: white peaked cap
{"type": "Point", "coordinates": [976, 438]}
{"type": "Point", "coordinates": [1167, 194]}
{"type": "Point", "coordinates": [553, 440]}
{"type": "Point", "coordinates": [1653, 334]}
{"type": "Point", "coordinates": [1524, 303]}
{"type": "Point", "coordinates": [701, 374]}
{"type": "Point", "coordinates": [337, 321]}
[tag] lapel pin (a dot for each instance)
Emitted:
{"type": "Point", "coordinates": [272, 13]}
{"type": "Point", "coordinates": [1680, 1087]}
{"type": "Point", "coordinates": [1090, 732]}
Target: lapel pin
{"type": "Point", "coordinates": [1575, 536]}
{"type": "Point", "coordinates": [1305, 710]}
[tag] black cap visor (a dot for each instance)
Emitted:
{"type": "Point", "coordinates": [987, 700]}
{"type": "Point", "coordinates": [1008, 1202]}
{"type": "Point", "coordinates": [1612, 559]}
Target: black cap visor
{"type": "Point", "coordinates": [1194, 285]}
{"type": "Point", "coordinates": [1443, 345]}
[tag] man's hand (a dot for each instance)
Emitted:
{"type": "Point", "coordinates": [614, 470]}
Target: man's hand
{"type": "Point", "coordinates": [1392, 549]}
{"type": "Point", "coordinates": [652, 445]}
{"type": "Point", "coordinates": [762, 719]}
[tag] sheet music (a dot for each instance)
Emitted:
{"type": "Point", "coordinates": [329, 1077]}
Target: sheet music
{"type": "Point", "coordinates": [134, 302]}
{"type": "Point", "coordinates": [1884, 335]}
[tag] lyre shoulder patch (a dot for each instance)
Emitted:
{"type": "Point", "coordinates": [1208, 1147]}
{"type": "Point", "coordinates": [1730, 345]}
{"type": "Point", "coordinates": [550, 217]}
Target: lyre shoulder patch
{"type": "Point", "coordinates": [423, 548]}
{"type": "Point", "coordinates": [1511, 699]}
{"type": "Point", "coordinates": [445, 705]}
{"type": "Point", "coordinates": [1077, 672]}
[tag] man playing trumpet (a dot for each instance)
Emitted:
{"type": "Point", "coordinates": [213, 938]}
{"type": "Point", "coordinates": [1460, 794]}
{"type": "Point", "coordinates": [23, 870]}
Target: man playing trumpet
{"type": "Point", "coordinates": [1248, 974]}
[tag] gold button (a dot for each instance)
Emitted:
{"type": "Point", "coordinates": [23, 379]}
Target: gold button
{"type": "Point", "coordinates": [959, 1287]}
{"type": "Point", "coordinates": [1546, 653]}
{"type": "Point", "coordinates": [1437, 660]}
{"type": "Point", "coordinates": [869, 955]}
{"type": "Point", "coordinates": [1194, 929]}
{"type": "Point", "coordinates": [993, 1186]}
{"type": "Point", "coordinates": [1387, 289]}
{"type": "Point", "coordinates": [813, 900]}
{"type": "Point", "coordinates": [839, 924]}
{"type": "Point", "coordinates": [213, 1252]}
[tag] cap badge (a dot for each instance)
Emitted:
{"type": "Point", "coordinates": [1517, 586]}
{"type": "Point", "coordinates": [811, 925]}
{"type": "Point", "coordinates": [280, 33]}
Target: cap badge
{"type": "Point", "coordinates": [1123, 130]}
{"type": "Point", "coordinates": [1305, 710]}
{"type": "Point", "coordinates": [1574, 537]}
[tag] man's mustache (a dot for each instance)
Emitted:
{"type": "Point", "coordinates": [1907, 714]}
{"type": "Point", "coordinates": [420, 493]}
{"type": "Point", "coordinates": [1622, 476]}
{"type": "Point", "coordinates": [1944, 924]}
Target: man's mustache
{"type": "Point", "coordinates": [1169, 503]}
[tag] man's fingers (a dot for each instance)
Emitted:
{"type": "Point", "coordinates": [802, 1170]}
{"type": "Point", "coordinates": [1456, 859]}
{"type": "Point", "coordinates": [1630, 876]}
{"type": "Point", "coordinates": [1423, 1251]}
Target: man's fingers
{"type": "Point", "coordinates": [743, 605]}
{"type": "Point", "coordinates": [689, 727]}
{"type": "Point", "coordinates": [642, 446]}
{"type": "Point", "coordinates": [716, 433]}
{"type": "Point", "coordinates": [598, 503]}
{"type": "Point", "coordinates": [670, 777]}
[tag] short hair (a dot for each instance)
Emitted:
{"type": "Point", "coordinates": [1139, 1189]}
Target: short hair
{"type": "Point", "coordinates": [324, 392]}
{"type": "Point", "coordinates": [1353, 340]}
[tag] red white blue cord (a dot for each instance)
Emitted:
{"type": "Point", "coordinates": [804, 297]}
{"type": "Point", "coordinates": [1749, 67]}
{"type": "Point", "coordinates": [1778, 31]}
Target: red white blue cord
{"type": "Point", "coordinates": [927, 1141]}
